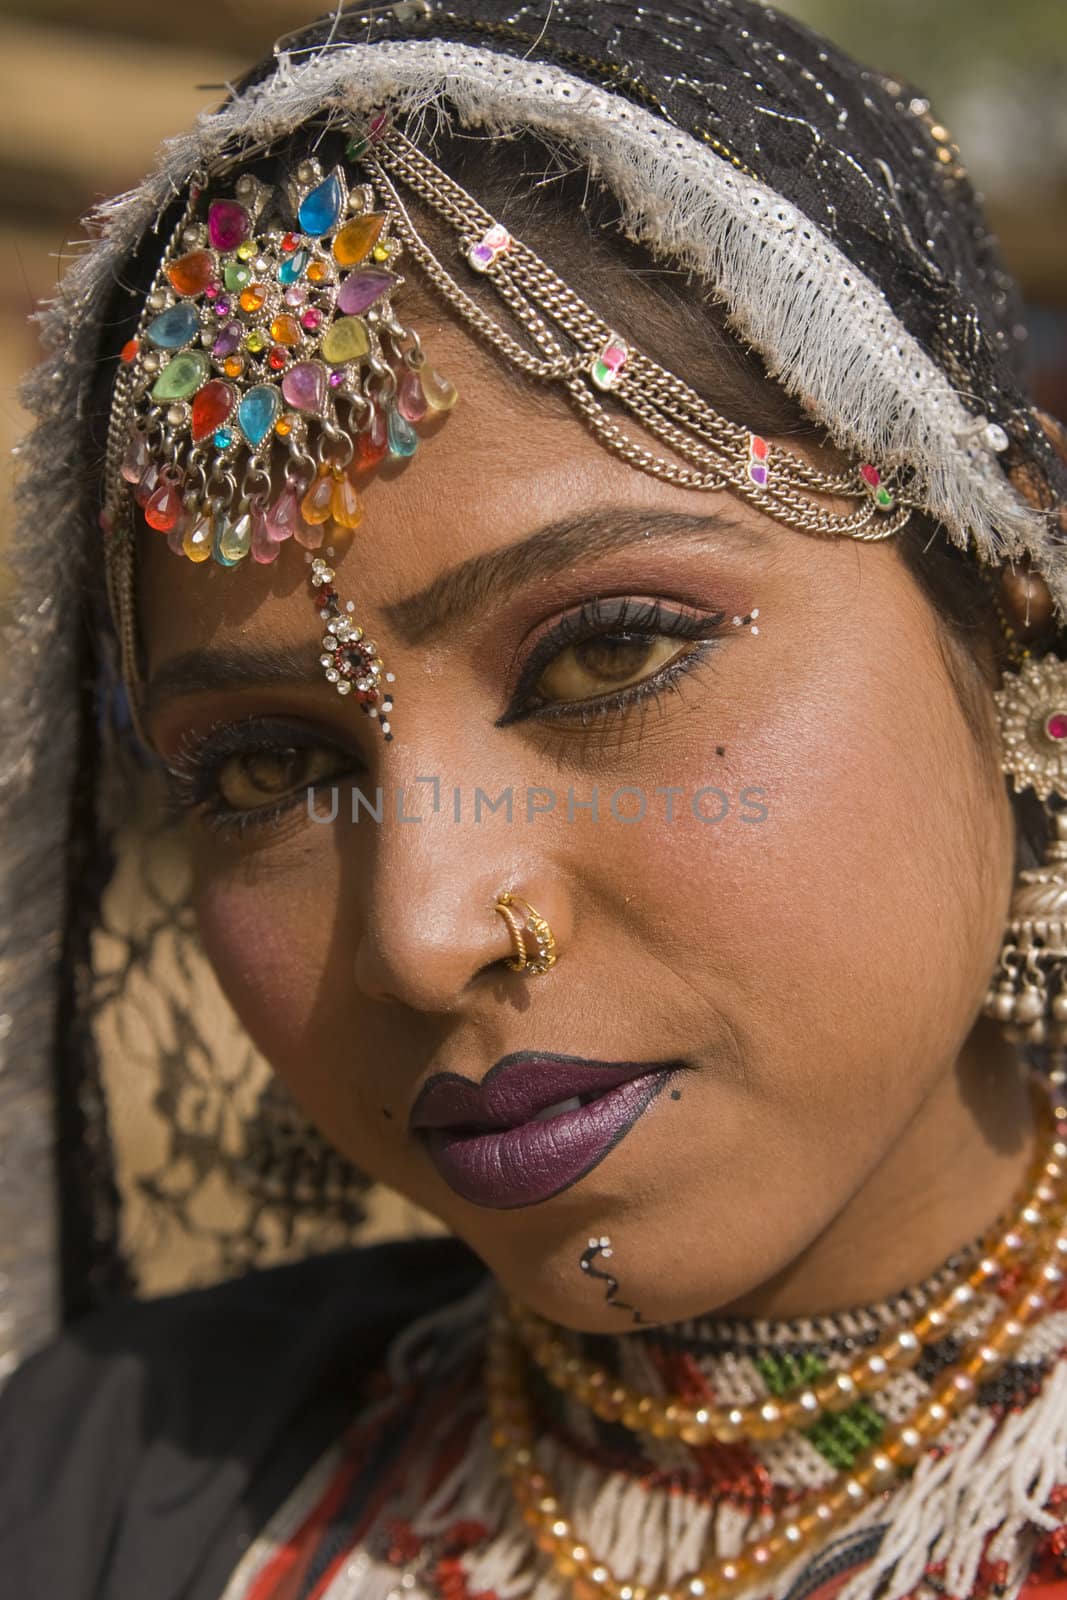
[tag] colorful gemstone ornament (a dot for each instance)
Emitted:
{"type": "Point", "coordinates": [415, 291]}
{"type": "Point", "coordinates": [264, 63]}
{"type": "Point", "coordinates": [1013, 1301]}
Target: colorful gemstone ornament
{"type": "Point", "coordinates": [492, 244]}
{"type": "Point", "coordinates": [606, 370]}
{"type": "Point", "coordinates": [758, 460]}
{"type": "Point", "coordinates": [879, 493]}
{"type": "Point", "coordinates": [1033, 718]}
{"type": "Point", "coordinates": [173, 328]}
{"type": "Point", "coordinates": [264, 354]}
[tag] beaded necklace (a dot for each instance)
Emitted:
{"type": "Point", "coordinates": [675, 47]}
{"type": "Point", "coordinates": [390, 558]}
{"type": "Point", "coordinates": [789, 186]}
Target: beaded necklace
{"type": "Point", "coordinates": [485, 1474]}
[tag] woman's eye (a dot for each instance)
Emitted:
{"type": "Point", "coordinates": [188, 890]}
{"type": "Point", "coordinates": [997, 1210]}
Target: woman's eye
{"type": "Point", "coordinates": [250, 774]}
{"type": "Point", "coordinates": [604, 663]}
{"type": "Point", "coordinates": [258, 777]}
{"type": "Point", "coordinates": [607, 656]}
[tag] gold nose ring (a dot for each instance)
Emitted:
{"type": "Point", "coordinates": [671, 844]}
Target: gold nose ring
{"type": "Point", "coordinates": [519, 925]}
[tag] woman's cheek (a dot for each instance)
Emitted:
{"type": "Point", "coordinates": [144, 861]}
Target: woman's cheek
{"type": "Point", "coordinates": [267, 943]}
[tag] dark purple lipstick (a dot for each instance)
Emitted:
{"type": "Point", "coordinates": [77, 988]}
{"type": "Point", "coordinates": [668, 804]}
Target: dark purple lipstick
{"type": "Point", "coordinates": [534, 1125]}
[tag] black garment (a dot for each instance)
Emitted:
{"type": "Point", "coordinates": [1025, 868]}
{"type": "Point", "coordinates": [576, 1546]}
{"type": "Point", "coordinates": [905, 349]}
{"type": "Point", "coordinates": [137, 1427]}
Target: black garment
{"type": "Point", "coordinates": [143, 1450]}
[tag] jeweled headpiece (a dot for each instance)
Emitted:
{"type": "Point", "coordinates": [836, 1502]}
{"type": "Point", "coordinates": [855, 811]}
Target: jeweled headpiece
{"type": "Point", "coordinates": [269, 338]}
{"type": "Point", "coordinates": [271, 330]}
{"type": "Point", "coordinates": [270, 370]}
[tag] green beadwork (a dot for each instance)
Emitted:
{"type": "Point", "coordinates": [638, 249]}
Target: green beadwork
{"type": "Point", "coordinates": [843, 1435]}
{"type": "Point", "coordinates": [782, 1372]}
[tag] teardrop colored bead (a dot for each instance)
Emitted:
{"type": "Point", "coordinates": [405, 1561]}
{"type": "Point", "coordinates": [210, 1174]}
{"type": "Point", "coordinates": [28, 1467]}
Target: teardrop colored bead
{"type": "Point", "coordinates": [253, 297]}
{"type": "Point", "coordinates": [304, 386]}
{"type": "Point", "coordinates": [173, 328]}
{"type": "Point", "coordinates": [285, 330]}
{"type": "Point", "coordinates": [316, 504]}
{"type": "Point", "coordinates": [233, 540]}
{"type": "Point", "coordinates": [182, 375]}
{"type": "Point", "coordinates": [192, 273]}
{"type": "Point", "coordinates": [199, 539]}
{"type": "Point", "coordinates": [163, 508]}
{"type": "Point", "coordinates": [135, 461]}
{"type": "Point", "coordinates": [258, 412]}
{"type": "Point", "coordinates": [410, 399]}
{"type": "Point", "coordinates": [360, 289]}
{"type": "Point", "coordinates": [284, 517]}
{"type": "Point", "coordinates": [357, 238]}
{"type": "Point", "coordinates": [211, 407]}
{"type": "Point", "coordinates": [346, 507]}
{"type": "Point", "coordinates": [320, 209]}
{"type": "Point", "coordinates": [227, 224]}
{"type": "Point", "coordinates": [403, 440]}
{"type": "Point", "coordinates": [237, 541]}
{"type": "Point", "coordinates": [310, 535]}
{"type": "Point", "coordinates": [228, 341]}
{"type": "Point", "coordinates": [441, 395]}
{"type": "Point", "coordinates": [372, 444]}
{"type": "Point", "coordinates": [147, 484]}
{"type": "Point", "coordinates": [346, 341]}
{"type": "Point", "coordinates": [176, 536]}
{"type": "Point", "coordinates": [264, 548]}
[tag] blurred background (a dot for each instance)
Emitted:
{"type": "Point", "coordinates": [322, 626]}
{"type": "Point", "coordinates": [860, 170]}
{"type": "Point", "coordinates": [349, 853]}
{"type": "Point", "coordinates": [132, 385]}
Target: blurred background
{"type": "Point", "coordinates": [88, 92]}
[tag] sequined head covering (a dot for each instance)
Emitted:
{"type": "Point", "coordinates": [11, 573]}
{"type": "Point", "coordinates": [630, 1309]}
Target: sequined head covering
{"type": "Point", "coordinates": [822, 202]}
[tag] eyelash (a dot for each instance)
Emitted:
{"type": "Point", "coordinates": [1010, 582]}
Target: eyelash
{"type": "Point", "coordinates": [190, 774]}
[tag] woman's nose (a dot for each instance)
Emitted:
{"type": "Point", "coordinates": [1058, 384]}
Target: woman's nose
{"type": "Point", "coordinates": [427, 927]}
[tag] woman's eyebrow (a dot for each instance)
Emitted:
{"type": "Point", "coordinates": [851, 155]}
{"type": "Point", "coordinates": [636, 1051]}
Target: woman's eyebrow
{"type": "Point", "coordinates": [467, 588]}
{"type": "Point", "coordinates": [455, 595]}
{"type": "Point", "coordinates": [251, 665]}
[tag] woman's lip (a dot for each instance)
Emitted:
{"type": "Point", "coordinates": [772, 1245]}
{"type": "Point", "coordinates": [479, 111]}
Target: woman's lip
{"type": "Point", "coordinates": [522, 1165]}
{"type": "Point", "coordinates": [516, 1088]}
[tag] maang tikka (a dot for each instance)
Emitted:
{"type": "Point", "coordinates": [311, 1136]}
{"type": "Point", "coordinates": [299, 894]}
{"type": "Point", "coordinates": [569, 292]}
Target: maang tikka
{"type": "Point", "coordinates": [270, 333]}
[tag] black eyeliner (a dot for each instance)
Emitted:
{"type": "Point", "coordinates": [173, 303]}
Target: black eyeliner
{"type": "Point", "coordinates": [613, 616]}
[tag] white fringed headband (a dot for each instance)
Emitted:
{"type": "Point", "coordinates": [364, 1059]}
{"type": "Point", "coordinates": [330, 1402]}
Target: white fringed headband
{"type": "Point", "coordinates": [826, 332]}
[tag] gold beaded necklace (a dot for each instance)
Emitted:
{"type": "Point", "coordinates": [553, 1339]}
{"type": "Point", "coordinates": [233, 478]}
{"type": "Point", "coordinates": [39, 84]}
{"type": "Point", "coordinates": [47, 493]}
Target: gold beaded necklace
{"type": "Point", "coordinates": [1041, 1221]}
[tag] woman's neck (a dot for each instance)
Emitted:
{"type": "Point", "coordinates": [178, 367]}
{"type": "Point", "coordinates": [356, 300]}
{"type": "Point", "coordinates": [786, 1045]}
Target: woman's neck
{"type": "Point", "coordinates": [960, 1164]}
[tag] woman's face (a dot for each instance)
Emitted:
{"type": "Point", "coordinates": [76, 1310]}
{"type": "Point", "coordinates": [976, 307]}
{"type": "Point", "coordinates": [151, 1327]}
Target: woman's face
{"type": "Point", "coordinates": [793, 940]}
